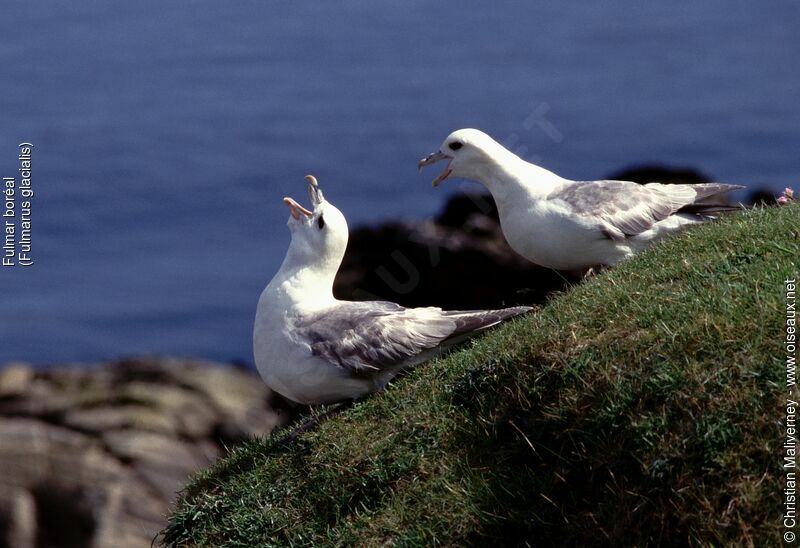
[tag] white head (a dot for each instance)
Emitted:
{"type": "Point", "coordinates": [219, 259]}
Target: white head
{"type": "Point", "coordinates": [319, 237]}
{"type": "Point", "coordinates": [470, 152]}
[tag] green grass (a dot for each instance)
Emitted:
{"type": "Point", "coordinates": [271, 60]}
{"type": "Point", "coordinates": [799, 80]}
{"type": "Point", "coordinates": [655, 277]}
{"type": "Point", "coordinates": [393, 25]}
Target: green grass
{"type": "Point", "coordinates": [639, 408]}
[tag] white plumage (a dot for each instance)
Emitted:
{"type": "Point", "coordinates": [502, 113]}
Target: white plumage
{"type": "Point", "coordinates": [573, 225]}
{"type": "Point", "coordinates": [313, 348]}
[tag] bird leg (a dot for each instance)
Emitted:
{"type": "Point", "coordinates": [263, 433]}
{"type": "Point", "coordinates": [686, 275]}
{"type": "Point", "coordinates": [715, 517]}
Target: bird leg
{"type": "Point", "coordinates": [584, 275]}
{"type": "Point", "coordinates": [580, 274]}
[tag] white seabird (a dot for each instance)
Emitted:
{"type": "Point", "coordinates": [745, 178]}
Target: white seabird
{"type": "Point", "coordinates": [571, 225]}
{"type": "Point", "coordinates": [313, 348]}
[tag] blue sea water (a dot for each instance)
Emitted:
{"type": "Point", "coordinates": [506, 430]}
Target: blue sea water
{"type": "Point", "coordinates": [166, 134]}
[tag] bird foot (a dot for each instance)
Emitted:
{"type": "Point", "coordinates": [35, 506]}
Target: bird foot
{"type": "Point", "coordinates": [584, 274]}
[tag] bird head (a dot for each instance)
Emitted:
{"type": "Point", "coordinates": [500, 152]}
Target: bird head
{"type": "Point", "coordinates": [467, 151]}
{"type": "Point", "coordinates": [319, 235]}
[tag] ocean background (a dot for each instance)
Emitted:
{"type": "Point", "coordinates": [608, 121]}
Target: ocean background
{"type": "Point", "coordinates": [166, 135]}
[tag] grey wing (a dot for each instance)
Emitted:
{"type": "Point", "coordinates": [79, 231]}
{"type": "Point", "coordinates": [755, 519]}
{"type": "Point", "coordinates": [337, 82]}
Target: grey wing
{"type": "Point", "coordinates": [624, 208]}
{"type": "Point", "coordinates": [373, 336]}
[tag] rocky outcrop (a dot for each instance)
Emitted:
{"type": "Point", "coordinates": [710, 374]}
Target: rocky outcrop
{"type": "Point", "coordinates": [94, 456]}
{"type": "Point", "coordinates": [656, 173]}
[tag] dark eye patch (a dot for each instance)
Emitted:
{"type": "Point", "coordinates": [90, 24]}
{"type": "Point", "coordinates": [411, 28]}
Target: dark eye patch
{"type": "Point", "coordinates": [320, 222]}
{"type": "Point", "coordinates": [456, 145]}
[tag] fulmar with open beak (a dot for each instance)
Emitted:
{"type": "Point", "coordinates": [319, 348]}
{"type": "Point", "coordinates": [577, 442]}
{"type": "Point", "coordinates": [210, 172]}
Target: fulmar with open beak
{"type": "Point", "coordinates": [574, 225]}
{"type": "Point", "coordinates": [313, 348]}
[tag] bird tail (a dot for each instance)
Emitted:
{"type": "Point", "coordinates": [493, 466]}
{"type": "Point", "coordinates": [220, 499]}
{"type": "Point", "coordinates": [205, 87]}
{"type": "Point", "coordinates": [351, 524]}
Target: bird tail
{"type": "Point", "coordinates": [711, 200]}
{"type": "Point", "coordinates": [473, 321]}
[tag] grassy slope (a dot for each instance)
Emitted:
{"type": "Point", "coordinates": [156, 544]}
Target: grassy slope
{"type": "Point", "coordinates": [641, 407]}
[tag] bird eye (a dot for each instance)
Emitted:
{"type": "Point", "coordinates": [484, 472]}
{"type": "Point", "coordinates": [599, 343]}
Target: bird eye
{"type": "Point", "coordinates": [456, 145]}
{"type": "Point", "coordinates": [320, 222]}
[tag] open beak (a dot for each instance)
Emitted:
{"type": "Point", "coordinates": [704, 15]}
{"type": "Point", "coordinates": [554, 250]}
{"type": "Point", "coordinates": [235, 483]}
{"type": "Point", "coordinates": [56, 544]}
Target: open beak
{"type": "Point", "coordinates": [432, 159]}
{"type": "Point", "coordinates": [314, 193]}
{"type": "Point", "coordinates": [296, 209]}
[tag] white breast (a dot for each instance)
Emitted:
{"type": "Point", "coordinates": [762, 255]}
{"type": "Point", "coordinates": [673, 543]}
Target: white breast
{"type": "Point", "coordinates": [544, 233]}
{"type": "Point", "coordinates": [288, 366]}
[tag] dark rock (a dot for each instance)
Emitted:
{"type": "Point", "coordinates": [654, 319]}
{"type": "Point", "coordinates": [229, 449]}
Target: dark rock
{"type": "Point", "coordinates": [762, 197]}
{"type": "Point", "coordinates": [15, 378]}
{"type": "Point", "coordinates": [95, 456]}
{"type": "Point", "coordinates": [654, 173]}
{"type": "Point", "coordinates": [463, 207]}
{"type": "Point", "coordinates": [459, 261]}
{"type": "Point", "coordinates": [116, 417]}
{"type": "Point", "coordinates": [17, 518]}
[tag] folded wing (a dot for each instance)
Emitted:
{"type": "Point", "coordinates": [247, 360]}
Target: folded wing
{"type": "Point", "coordinates": [624, 208]}
{"type": "Point", "coordinates": [373, 336]}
